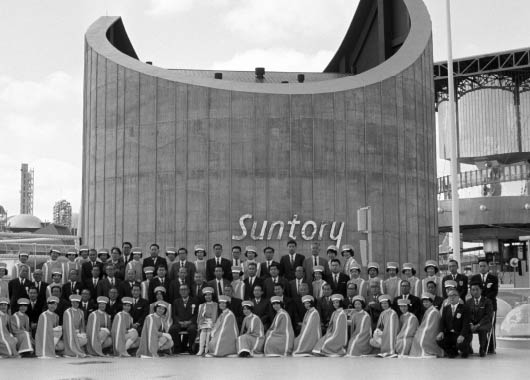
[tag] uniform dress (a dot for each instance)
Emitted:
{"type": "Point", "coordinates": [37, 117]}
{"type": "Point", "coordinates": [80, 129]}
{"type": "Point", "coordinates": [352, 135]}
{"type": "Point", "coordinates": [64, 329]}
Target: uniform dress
{"type": "Point", "coordinates": [167, 319]}
{"type": "Point", "coordinates": [4, 289]}
{"type": "Point", "coordinates": [52, 285]}
{"type": "Point", "coordinates": [16, 269]}
{"type": "Point", "coordinates": [414, 286]}
{"type": "Point", "coordinates": [362, 286]}
{"type": "Point", "coordinates": [20, 328]}
{"type": "Point", "coordinates": [334, 342]}
{"type": "Point", "coordinates": [8, 343]}
{"type": "Point", "coordinates": [381, 286]}
{"type": "Point", "coordinates": [152, 332]}
{"type": "Point", "coordinates": [409, 325]}
{"type": "Point", "coordinates": [121, 330]}
{"type": "Point", "coordinates": [309, 335]}
{"type": "Point", "coordinates": [252, 336]}
{"type": "Point", "coordinates": [317, 288]}
{"type": "Point", "coordinates": [68, 266]}
{"type": "Point", "coordinates": [361, 332]}
{"type": "Point", "coordinates": [144, 289]}
{"type": "Point", "coordinates": [200, 266]}
{"type": "Point", "coordinates": [136, 266]}
{"type": "Point", "coordinates": [207, 315]}
{"type": "Point", "coordinates": [388, 322]}
{"type": "Point", "coordinates": [279, 340]}
{"type": "Point", "coordinates": [98, 330]}
{"type": "Point", "coordinates": [391, 286]}
{"type": "Point", "coordinates": [223, 338]}
{"type": "Point", "coordinates": [423, 285]}
{"type": "Point", "coordinates": [47, 271]}
{"type": "Point", "coordinates": [48, 334]}
{"type": "Point", "coordinates": [238, 287]}
{"type": "Point", "coordinates": [424, 343]}
{"type": "Point", "coordinates": [74, 333]}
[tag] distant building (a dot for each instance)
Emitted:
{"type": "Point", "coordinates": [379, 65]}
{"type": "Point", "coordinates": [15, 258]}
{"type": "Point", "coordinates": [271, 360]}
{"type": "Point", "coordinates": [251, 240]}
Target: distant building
{"type": "Point", "coordinates": [3, 219]}
{"type": "Point", "coordinates": [26, 190]}
{"type": "Point", "coordinates": [62, 213]}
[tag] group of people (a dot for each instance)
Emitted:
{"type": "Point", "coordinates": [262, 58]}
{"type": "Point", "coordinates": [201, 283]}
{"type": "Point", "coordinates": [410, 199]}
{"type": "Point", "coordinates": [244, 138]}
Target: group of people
{"type": "Point", "coordinates": [115, 302]}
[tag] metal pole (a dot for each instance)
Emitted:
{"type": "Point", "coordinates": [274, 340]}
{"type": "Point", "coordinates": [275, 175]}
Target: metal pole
{"type": "Point", "coordinates": [454, 143]}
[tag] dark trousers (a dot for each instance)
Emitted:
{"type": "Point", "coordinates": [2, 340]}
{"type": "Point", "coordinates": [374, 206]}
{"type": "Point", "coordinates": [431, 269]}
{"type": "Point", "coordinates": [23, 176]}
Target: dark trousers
{"type": "Point", "coordinates": [482, 339]}
{"type": "Point", "coordinates": [183, 342]}
{"type": "Point", "coordinates": [451, 347]}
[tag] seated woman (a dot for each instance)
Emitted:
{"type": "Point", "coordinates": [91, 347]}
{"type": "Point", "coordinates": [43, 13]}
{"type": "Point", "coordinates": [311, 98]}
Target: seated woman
{"type": "Point", "coordinates": [252, 338]}
{"type": "Point", "coordinates": [98, 329]}
{"type": "Point", "coordinates": [310, 332]}
{"type": "Point", "coordinates": [280, 336]}
{"type": "Point", "coordinates": [124, 336]}
{"type": "Point", "coordinates": [75, 338]}
{"type": "Point", "coordinates": [49, 332]}
{"type": "Point", "coordinates": [361, 329]}
{"type": "Point", "coordinates": [20, 328]}
{"type": "Point", "coordinates": [388, 323]}
{"type": "Point", "coordinates": [167, 319]}
{"type": "Point", "coordinates": [224, 332]}
{"type": "Point", "coordinates": [334, 342]}
{"type": "Point", "coordinates": [206, 318]}
{"type": "Point", "coordinates": [424, 342]}
{"type": "Point", "coordinates": [318, 282]}
{"type": "Point", "coordinates": [154, 340]}
{"type": "Point", "coordinates": [8, 343]}
{"type": "Point", "coordinates": [409, 325]}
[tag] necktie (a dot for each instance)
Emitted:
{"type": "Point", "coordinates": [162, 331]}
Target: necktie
{"type": "Point", "coordinates": [454, 277]}
{"type": "Point", "coordinates": [476, 301]}
{"type": "Point", "coordinates": [218, 261]}
{"type": "Point", "coordinates": [484, 279]}
{"type": "Point", "coordinates": [251, 280]}
{"type": "Point", "coordinates": [292, 259]}
{"type": "Point", "coordinates": [112, 281]}
{"type": "Point", "coordinates": [237, 262]}
{"type": "Point", "coordinates": [33, 305]}
{"type": "Point", "coordinates": [268, 265]}
{"type": "Point", "coordinates": [219, 287]}
{"type": "Point", "coordinates": [316, 262]}
{"type": "Point", "coordinates": [95, 282]}
{"type": "Point", "coordinates": [73, 285]}
{"type": "Point", "coordinates": [134, 301]}
{"type": "Point", "coordinates": [182, 264]}
{"type": "Point", "coordinates": [336, 279]}
{"type": "Point", "coordinates": [454, 309]}
{"type": "Point", "coordinates": [85, 306]}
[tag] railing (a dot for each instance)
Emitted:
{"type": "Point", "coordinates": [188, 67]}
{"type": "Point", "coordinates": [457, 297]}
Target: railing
{"type": "Point", "coordinates": [487, 178]}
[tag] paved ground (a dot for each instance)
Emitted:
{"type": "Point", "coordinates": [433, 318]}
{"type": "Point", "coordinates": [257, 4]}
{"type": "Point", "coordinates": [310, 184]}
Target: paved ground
{"type": "Point", "coordinates": [507, 364]}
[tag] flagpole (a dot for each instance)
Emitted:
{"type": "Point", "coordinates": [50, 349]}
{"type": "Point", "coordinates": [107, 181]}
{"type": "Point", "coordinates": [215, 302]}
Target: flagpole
{"type": "Point", "coordinates": [455, 207]}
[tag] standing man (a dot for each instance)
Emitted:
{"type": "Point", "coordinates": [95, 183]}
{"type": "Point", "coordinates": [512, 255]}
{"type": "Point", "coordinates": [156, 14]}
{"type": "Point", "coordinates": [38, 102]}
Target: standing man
{"type": "Point", "coordinates": [126, 248]}
{"type": "Point", "coordinates": [19, 286]}
{"type": "Point", "coordinates": [86, 267]}
{"type": "Point", "coordinates": [454, 332]}
{"type": "Point", "coordinates": [40, 286]}
{"type": "Point", "coordinates": [269, 260]}
{"type": "Point", "coordinates": [294, 285]}
{"type": "Point", "coordinates": [482, 314]}
{"type": "Point", "coordinates": [73, 286]}
{"type": "Point", "coordinates": [338, 279]}
{"type": "Point", "coordinates": [154, 260]}
{"type": "Point", "coordinates": [161, 279]}
{"type": "Point", "coordinates": [216, 261]}
{"type": "Point", "coordinates": [251, 281]}
{"type": "Point", "coordinates": [313, 261]}
{"type": "Point", "coordinates": [415, 307]}
{"type": "Point", "coordinates": [275, 278]}
{"type": "Point", "coordinates": [289, 262]}
{"type": "Point", "coordinates": [236, 257]}
{"type": "Point", "coordinates": [182, 262]}
{"type": "Point", "coordinates": [219, 282]}
{"type": "Point", "coordinates": [461, 280]}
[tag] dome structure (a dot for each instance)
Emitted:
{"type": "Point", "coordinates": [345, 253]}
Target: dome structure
{"type": "Point", "coordinates": [23, 222]}
{"type": "Point", "coordinates": [517, 322]}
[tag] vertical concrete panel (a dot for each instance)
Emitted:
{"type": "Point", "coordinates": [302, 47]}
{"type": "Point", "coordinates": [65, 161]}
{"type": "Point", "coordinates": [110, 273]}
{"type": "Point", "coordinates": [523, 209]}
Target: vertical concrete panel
{"type": "Point", "coordinates": [100, 151]}
{"type": "Point", "coordinates": [120, 150]}
{"type": "Point", "coordinates": [181, 166]}
{"type": "Point", "coordinates": [165, 163]}
{"type": "Point", "coordinates": [401, 172]}
{"type": "Point", "coordinates": [147, 161]}
{"type": "Point", "coordinates": [341, 207]}
{"type": "Point", "coordinates": [92, 151]}
{"type": "Point", "coordinates": [86, 209]}
{"type": "Point", "coordinates": [432, 172]}
{"type": "Point", "coordinates": [197, 182]}
{"type": "Point", "coordinates": [131, 156]}
{"type": "Point", "coordinates": [219, 169]}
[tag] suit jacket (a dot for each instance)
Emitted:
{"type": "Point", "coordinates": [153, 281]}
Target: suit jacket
{"type": "Point", "coordinates": [268, 286]}
{"type": "Point", "coordinates": [89, 284]}
{"type": "Point", "coordinates": [86, 270]}
{"type": "Point", "coordinates": [91, 306]}
{"type": "Point", "coordinates": [293, 293]}
{"type": "Point", "coordinates": [41, 291]}
{"type": "Point", "coordinates": [139, 312]}
{"type": "Point", "coordinates": [309, 264]}
{"type": "Point", "coordinates": [210, 268]}
{"type": "Point", "coordinates": [112, 310]}
{"type": "Point", "coordinates": [249, 290]}
{"type": "Point", "coordinates": [213, 284]}
{"type": "Point", "coordinates": [481, 313]}
{"type": "Point", "coordinates": [235, 306]}
{"type": "Point", "coordinates": [17, 290]}
{"type": "Point", "coordinates": [155, 282]}
{"type": "Point", "coordinates": [34, 312]}
{"type": "Point", "coordinates": [264, 311]}
{"type": "Point", "coordinates": [104, 286]}
{"type": "Point", "coordinates": [125, 288]}
{"type": "Point", "coordinates": [119, 267]}
{"type": "Point", "coordinates": [175, 267]}
{"type": "Point", "coordinates": [187, 313]}
{"type": "Point", "coordinates": [325, 309]}
{"type": "Point", "coordinates": [415, 306]}
{"type": "Point", "coordinates": [287, 269]}
{"type": "Point", "coordinates": [461, 280]}
{"type": "Point", "coordinates": [174, 289]}
{"type": "Point", "coordinates": [341, 286]}
{"type": "Point", "coordinates": [458, 323]}
{"type": "Point", "coordinates": [264, 270]}
{"type": "Point", "coordinates": [198, 293]}
{"type": "Point", "coordinates": [150, 262]}
{"type": "Point", "coordinates": [490, 288]}
{"type": "Point", "coordinates": [68, 291]}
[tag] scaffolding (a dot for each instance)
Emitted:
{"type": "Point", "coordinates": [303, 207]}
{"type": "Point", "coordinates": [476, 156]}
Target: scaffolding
{"type": "Point", "coordinates": [62, 213]}
{"type": "Point", "coordinates": [26, 190]}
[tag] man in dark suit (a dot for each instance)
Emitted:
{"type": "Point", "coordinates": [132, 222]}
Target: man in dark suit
{"type": "Point", "coordinates": [88, 305]}
{"type": "Point", "coordinates": [182, 262]}
{"type": "Point", "coordinates": [174, 286]}
{"type": "Point", "coordinates": [73, 286]}
{"type": "Point", "coordinates": [481, 317]}
{"type": "Point", "coordinates": [86, 267]}
{"type": "Point", "coordinates": [251, 281]}
{"type": "Point", "coordinates": [219, 282]}
{"type": "Point", "coordinates": [92, 283]}
{"type": "Point", "coordinates": [125, 287]}
{"type": "Point", "coordinates": [126, 248]}
{"type": "Point", "coordinates": [298, 306]}
{"type": "Point", "coordinates": [109, 281]}
{"type": "Point", "coordinates": [461, 280]}
{"type": "Point", "coordinates": [415, 305]}
{"type": "Point", "coordinates": [212, 263]}
{"type": "Point", "coordinates": [62, 305]}
{"type": "Point", "coordinates": [19, 286]}
{"type": "Point", "coordinates": [40, 285]}
{"type": "Point", "coordinates": [161, 279]}
{"type": "Point", "coordinates": [114, 306]}
{"type": "Point", "coordinates": [454, 333]}
{"type": "Point", "coordinates": [325, 307]}
{"type": "Point", "coordinates": [269, 260]}
{"type": "Point", "coordinates": [289, 262]}
{"type": "Point", "coordinates": [185, 309]}
{"type": "Point", "coordinates": [294, 285]}
{"type": "Point", "coordinates": [154, 260]}
{"type": "Point", "coordinates": [234, 305]}
{"type": "Point", "coordinates": [373, 308]}
{"type": "Point", "coordinates": [139, 309]}
{"type": "Point", "coordinates": [262, 307]}
{"type": "Point", "coordinates": [198, 285]}
{"type": "Point", "coordinates": [35, 308]}
{"type": "Point", "coordinates": [438, 301]}
{"type": "Point", "coordinates": [275, 278]}
{"type": "Point", "coordinates": [315, 260]}
{"type": "Point", "coordinates": [338, 280]}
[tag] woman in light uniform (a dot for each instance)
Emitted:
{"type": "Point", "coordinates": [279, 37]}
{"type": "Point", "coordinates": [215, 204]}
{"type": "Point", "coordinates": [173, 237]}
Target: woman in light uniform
{"type": "Point", "coordinates": [206, 317]}
{"type": "Point", "coordinates": [252, 338]}
{"type": "Point", "coordinates": [224, 332]}
{"type": "Point", "coordinates": [388, 323]}
{"type": "Point", "coordinates": [361, 329]}
{"type": "Point", "coordinates": [424, 343]}
{"type": "Point", "coordinates": [98, 329]}
{"type": "Point", "coordinates": [334, 342]}
{"type": "Point", "coordinates": [20, 327]}
{"type": "Point", "coordinates": [318, 281]}
{"type": "Point", "coordinates": [154, 340]}
{"type": "Point", "coordinates": [310, 332]}
{"type": "Point", "coordinates": [124, 336]}
{"type": "Point", "coordinates": [8, 343]}
{"type": "Point", "coordinates": [410, 275]}
{"type": "Point", "coordinates": [75, 338]}
{"type": "Point", "coordinates": [49, 332]}
{"type": "Point", "coordinates": [280, 336]}
{"type": "Point", "coordinates": [409, 325]}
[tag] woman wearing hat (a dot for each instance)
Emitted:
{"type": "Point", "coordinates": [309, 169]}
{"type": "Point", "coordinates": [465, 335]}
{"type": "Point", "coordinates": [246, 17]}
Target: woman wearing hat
{"type": "Point", "coordinates": [251, 254]}
{"type": "Point", "coordinates": [252, 338]}
{"type": "Point", "coordinates": [361, 329]}
{"type": "Point", "coordinates": [310, 332]}
{"type": "Point", "coordinates": [410, 275]}
{"type": "Point", "coordinates": [8, 343]}
{"type": "Point", "coordinates": [424, 342]}
{"type": "Point", "coordinates": [348, 252]}
{"type": "Point", "coordinates": [135, 264]}
{"type": "Point", "coordinates": [200, 263]}
{"type": "Point", "coordinates": [224, 333]}
{"type": "Point", "coordinates": [238, 286]}
{"type": "Point", "coordinates": [75, 338]}
{"type": "Point", "coordinates": [280, 336]}
{"type": "Point", "coordinates": [22, 260]}
{"type": "Point", "coordinates": [57, 281]}
{"type": "Point", "coordinates": [49, 332]}
{"type": "Point", "coordinates": [388, 323]}
{"type": "Point", "coordinates": [167, 318]}
{"type": "Point", "coordinates": [409, 325]}
{"type": "Point", "coordinates": [98, 329]}
{"type": "Point", "coordinates": [355, 277]}
{"type": "Point", "coordinates": [20, 328]}
{"type": "Point", "coordinates": [124, 336]}
{"type": "Point", "coordinates": [52, 264]}
{"type": "Point", "coordinates": [206, 317]}
{"type": "Point", "coordinates": [392, 283]}
{"type": "Point", "coordinates": [318, 281]}
{"type": "Point", "coordinates": [373, 277]}
{"type": "Point", "coordinates": [144, 285]}
{"type": "Point", "coordinates": [431, 270]}
{"type": "Point", "coordinates": [4, 288]}
{"type": "Point", "coordinates": [71, 263]}
{"type": "Point", "coordinates": [334, 342]}
{"type": "Point", "coordinates": [154, 339]}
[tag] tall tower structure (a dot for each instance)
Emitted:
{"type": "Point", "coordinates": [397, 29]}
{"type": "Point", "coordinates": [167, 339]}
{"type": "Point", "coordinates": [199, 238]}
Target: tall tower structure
{"type": "Point", "coordinates": [26, 190]}
{"type": "Point", "coordinates": [3, 218]}
{"type": "Point", "coordinates": [62, 213]}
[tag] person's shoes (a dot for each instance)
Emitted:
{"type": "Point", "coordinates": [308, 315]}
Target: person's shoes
{"type": "Point", "coordinates": [451, 356]}
{"type": "Point", "coordinates": [464, 355]}
{"type": "Point", "coordinates": [482, 353]}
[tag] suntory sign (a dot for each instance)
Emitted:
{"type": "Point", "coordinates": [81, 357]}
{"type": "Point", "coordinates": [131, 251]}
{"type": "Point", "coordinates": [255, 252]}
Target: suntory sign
{"type": "Point", "coordinates": [308, 230]}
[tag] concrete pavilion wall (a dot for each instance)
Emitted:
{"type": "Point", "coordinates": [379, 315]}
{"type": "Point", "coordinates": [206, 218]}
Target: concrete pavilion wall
{"type": "Point", "coordinates": [180, 163]}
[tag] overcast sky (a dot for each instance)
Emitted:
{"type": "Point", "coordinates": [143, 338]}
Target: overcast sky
{"type": "Point", "coordinates": [41, 66]}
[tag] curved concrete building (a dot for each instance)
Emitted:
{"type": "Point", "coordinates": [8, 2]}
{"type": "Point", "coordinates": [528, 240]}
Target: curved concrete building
{"type": "Point", "coordinates": [182, 157]}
